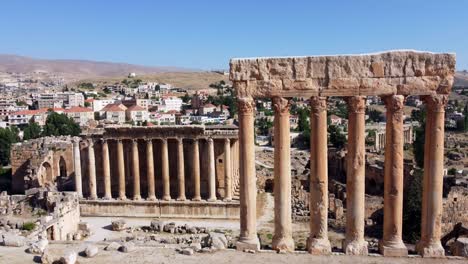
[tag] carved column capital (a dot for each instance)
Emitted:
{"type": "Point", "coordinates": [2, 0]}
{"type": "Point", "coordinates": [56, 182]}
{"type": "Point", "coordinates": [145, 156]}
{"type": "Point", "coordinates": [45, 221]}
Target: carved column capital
{"type": "Point", "coordinates": [180, 140]}
{"type": "Point", "coordinates": [227, 140]}
{"type": "Point", "coordinates": [356, 104]}
{"type": "Point", "coordinates": [436, 103]}
{"type": "Point", "coordinates": [394, 103]}
{"type": "Point", "coordinates": [318, 104]}
{"type": "Point", "coordinates": [209, 140]}
{"type": "Point", "coordinates": [246, 106]}
{"type": "Point", "coordinates": [281, 105]}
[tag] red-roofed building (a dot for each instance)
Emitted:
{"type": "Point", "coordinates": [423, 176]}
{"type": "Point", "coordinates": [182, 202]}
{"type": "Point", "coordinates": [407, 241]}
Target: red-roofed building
{"type": "Point", "coordinates": [114, 113]}
{"type": "Point", "coordinates": [80, 115]}
{"type": "Point", "coordinates": [206, 109]}
{"type": "Point", "coordinates": [137, 113]}
{"type": "Point", "coordinates": [23, 117]}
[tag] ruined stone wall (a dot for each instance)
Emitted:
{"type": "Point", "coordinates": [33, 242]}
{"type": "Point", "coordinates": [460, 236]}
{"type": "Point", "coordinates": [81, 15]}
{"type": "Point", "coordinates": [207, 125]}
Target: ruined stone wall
{"type": "Point", "coordinates": [38, 162]}
{"type": "Point", "coordinates": [455, 209]}
{"type": "Point", "coordinates": [65, 210]}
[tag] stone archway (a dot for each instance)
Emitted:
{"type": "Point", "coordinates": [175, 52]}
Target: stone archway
{"type": "Point", "coordinates": [46, 174]}
{"type": "Point", "coordinates": [62, 167]}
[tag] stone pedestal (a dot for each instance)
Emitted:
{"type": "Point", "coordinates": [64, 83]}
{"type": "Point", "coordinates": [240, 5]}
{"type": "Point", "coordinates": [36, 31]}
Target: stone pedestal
{"type": "Point", "coordinates": [318, 242]}
{"type": "Point", "coordinates": [106, 170]}
{"type": "Point", "coordinates": [227, 170]}
{"type": "Point", "coordinates": [136, 170]}
{"type": "Point", "coordinates": [165, 170]}
{"type": "Point", "coordinates": [77, 166]}
{"type": "Point", "coordinates": [121, 169]}
{"type": "Point", "coordinates": [211, 171]}
{"type": "Point", "coordinates": [430, 245]}
{"type": "Point", "coordinates": [150, 170]}
{"type": "Point", "coordinates": [282, 239]}
{"type": "Point", "coordinates": [248, 187]}
{"type": "Point", "coordinates": [392, 242]}
{"type": "Point", "coordinates": [92, 171]}
{"type": "Point", "coordinates": [354, 243]}
{"type": "Point", "coordinates": [196, 171]}
{"type": "Point", "coordinates": [180, 170]}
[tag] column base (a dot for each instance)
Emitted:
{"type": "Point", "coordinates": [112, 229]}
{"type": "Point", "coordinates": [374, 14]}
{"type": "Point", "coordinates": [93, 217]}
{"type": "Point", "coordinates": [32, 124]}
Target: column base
{"type": "Point", "coordinates": [212, 200]}
{"type": "Point", "coordinates": [136, 197]}
{"type": "Point", "coordinates": [196, 199]}
{"type": "Point", "coordinates": [227, 199]}
{"type": "Point", "coordinates": [318, 246]}
{"type": "Point", "coordinates": [166, 198]}
{"type": "Point", "coordinates": [355, 247]}
{"type": "Point", "coordinates": [152, 198]}
{"type": "Point", "coordinates": [93, 198]}
{"type": "Point", "coordinates": [181, 198]}
{"type": "Point", "coordinates": [283, 244]}
{"type": "Point", "coordinates": [393, 249]}
{"type": "Point", "coordinates": [107, 198]}
{"type": "Point", "coordinates": [122, 198]}
{"type": "Point", "coordinates": [248, 244]}
{"type": "Point", "coordinates": [430, 249]}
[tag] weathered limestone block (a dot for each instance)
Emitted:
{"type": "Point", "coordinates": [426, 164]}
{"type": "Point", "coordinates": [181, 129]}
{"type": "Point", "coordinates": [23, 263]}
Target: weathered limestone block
{"type": "Point", "coordinates": [157, 225]}
{"type": "Point", "coordinates": [127, 247]}
{"type": "Point", "coordinates": [460, 247]}
{"type": "Point", "coordinates": [91, 251]}
{"type": "Point", "coordinates": [12, 240]}
{"type": "Point", "coordinates": [393, 72]}
{"type": "Point", "coordinates": [113, 246]}
{"type": "Point", "coordinates": [119, 225]}
{"type": "Point", "coordinates": [38, 247]}
{"type": "Point", "coordinates": [69, 257]}
{"type": "Point", "coordinates": [216, 241]}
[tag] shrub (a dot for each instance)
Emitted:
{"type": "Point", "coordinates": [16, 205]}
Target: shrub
{"type": "Point", "coordinates": [29, 226]}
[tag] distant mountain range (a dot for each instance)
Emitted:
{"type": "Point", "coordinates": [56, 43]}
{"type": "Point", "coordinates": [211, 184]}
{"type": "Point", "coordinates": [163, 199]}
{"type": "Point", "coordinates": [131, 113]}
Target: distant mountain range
{"type": "Point", "coordinates": [78, 68]}
{"type": "Point", "coordinates": [461, 79]}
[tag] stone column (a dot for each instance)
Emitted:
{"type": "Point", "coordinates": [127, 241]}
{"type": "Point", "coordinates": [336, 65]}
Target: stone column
{"type": "Point", "coordinates": [318, 242]}
{"type": "Point", "coordinates": [180, 169]}
{"type": "Point", "coordinates": [431, 220]}
{"type": "Point", "coordinates": [196, 171]}
{"type": "Point", "coordinates": [282, 239]}
{"type": "Point", "coordinates": [211, 171]}
{"type": "Point", "coordinates": [92, 171]}
{"type": "Point", "coordinates": [136, 170]}
{"type": "Point", "coordinates": [121, 169]}
{"type": "Point", "coordinates": [248, 238]}
{"type": "Point", "coordinates": [77, 165]}
{"type": "Point", "coordinates": [227, 170]}
{"type": "Point", "coordinates": [392, 242]}
{"type": "Point", "coordinates": [106, 170]}
{"type": "Point", "coordinates": [354, 243]}
{"type": "Point", "coordinates": [165, 170]}
{"type": "Point", "coordinates": [150, 170]}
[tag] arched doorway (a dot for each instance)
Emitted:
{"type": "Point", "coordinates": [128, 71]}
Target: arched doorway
{"type": "Point", "coordinates": [62, 167]}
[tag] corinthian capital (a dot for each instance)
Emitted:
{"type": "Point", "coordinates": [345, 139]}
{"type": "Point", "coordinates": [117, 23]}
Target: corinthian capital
{"type": "Point", "coordinates": [436, 103]}
{"type": "Point", "coordinates": [246, 106]}
{"type": "Point", "coordinates": [318, 104]}
{"type": "Point", "coordinates": [356, 104]}
{"type": "Point", "coordinates": [394, 103]}
{"type": "Point", "coordinates": [281, 105]}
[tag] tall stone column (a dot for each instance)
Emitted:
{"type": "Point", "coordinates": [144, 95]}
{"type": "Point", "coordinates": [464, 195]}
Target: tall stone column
{"type": "Point", "coordinates": [211, 171]}
{"type": "Point", "coordinates": [121, 169]}
{"type": "Point", "coordinates": [196, 171]}
{"type": "Point", "coordinates": [77, 166]}
{"type": "Point", "coordinates": [392, 242]}
{"type": "Point", "coordinates": [92, 171]}
{"type": "Point", "coordinates": [136, 170]}
{"type": "Point", "coordinates": [165, 170]}
{"type": "Point", "coordinates": [150, 170]}
{"type": "Point", "coordinates": [318, 242]}
{"type": "Point", "coordinates": [181, 169]}
{"type": "Point", "coordinates": [282, 239]}
{"type": "Point", "coordinates": [431, 220]}
{"type": "Point", "coordinates": [106, 170]}
{"type": "Point", "coordinates": [248, 186]}
{"type": "Point", "coordinates": [227, 170]}
{"type": "Point", "coordinates": [354, 243]}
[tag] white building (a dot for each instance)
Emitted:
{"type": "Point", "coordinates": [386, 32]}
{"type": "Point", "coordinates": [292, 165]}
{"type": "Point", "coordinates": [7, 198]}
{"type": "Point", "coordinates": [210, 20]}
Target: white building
{"type": "Point", "coordinates": [81, 115]}
{"type": "Point", "coordinates": [98, 105]}
{"type": "Point", "coordinates": [114, 113]}
{"type": "Point", "coordinates": [137, 113]}
{"type": "Point", "coordinates": [170, 103]}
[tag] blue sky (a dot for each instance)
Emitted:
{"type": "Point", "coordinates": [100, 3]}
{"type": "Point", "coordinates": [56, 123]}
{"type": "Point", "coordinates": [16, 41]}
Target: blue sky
{"type": "Point", "coordinates": [206, 34]}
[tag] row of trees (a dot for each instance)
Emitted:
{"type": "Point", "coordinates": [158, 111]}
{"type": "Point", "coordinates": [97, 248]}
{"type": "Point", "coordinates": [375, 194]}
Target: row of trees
{"type": "Point", "coordinates": [55, 125]}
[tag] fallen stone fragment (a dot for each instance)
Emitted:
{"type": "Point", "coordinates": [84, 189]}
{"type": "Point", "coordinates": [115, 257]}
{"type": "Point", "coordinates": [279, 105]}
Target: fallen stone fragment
{"type": "Point", "coordinates": [38, 247]}
{"type": "Point", "coordinates": [187, 251]}
{"type": "Point", "coordinates": [68, 257]}
{"type": "Point", "coordinates": [91, 251]}
{"type": "Point", "coordinates": [47, 258]}
{"type": "Point", "coordinates": [119, 225]}
{"type": "Point", "coordinates": [112, 246]}
{"type": "Point", "coordinates": [460, 247]}
{"type": "Point", "coordinates": [127, 247]}
{"type": "Point", "coordinates": [12, 240]}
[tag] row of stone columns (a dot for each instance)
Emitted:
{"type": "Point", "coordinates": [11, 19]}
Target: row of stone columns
{"type": "Point", "coordinates": [150, 170]}
{"type": "Point", "coordinates": [354, 242]}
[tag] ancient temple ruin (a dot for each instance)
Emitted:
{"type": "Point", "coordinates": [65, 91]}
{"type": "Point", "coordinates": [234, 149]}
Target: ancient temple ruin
{"type": "Point", "coordinates": [393, 76]}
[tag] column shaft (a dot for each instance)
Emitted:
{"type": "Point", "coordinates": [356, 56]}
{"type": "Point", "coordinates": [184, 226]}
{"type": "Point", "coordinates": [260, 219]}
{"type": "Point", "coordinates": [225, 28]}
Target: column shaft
{"type": "Point", "coordinates": [106, 169]}
{"type": "Point", "coordinates": [211, 171]}
{"type": "Point", "coordinates": [77, 165]}
{"type": "Point", "coordinates": [136, 170]}
{"type": "Point", "coordinates": [318, 242]}
{"type": "Point", "coordinates": [392, 242]}
{"type": "Point", "coordinates": [430, 245]}
{"type": "Point", "coordinates": [354, 243]}
{"type": "Point", "coordinates": [227, 170]}
{"type": "Point", "coordinates": [165, 170]}
{"type": "Point", "coordinates": [181, 170]}
{"type": "Point", "coordinates": [196, 171]}
{"type": "Point", "coordinates": [121, 169]}
{"type": "Point", "coordinates": [282, 239]}
{"type": "Point", "coordinates": [248, 187]}
{"type": "Point", "coordinates": [92, 171]}
{"type": "Point", "coordinates": [150, 170]}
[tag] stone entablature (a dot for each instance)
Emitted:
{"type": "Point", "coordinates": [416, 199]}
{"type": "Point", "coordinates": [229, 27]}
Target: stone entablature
{"type": "Point", "coordinates": [394, 72]}
{"type": "Point", "coordinates": [392, 75]}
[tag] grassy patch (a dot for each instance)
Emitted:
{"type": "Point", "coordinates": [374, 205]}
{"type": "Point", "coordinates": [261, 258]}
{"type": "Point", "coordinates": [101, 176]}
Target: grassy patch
{"type": "Point", "coordinates": [29, 226]}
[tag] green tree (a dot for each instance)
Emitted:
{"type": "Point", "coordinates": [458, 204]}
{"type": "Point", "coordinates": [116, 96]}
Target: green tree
{"type": "Point", "coordinates": [375, 115]}
{"type": "Point", "coordinates": [8, 136]}
{"type": "Point", "coordinates": [263, 126]}
{"type": "Point", "coordinates": [418, 143]}
{"type": "Point", "coordinates": [60, 125]}
{"type": "Point", "coordinates": [412, 201]}
{"type": "Point", "coordinates": [337, 139]}
{"type": "Point", "coordinates": [31, 131]}
{"type": "Point", "coordinates": [303, 119]}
